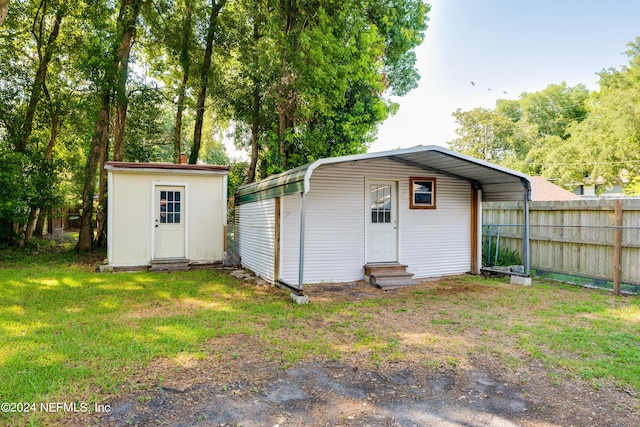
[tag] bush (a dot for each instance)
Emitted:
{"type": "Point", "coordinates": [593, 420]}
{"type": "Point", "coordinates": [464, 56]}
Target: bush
{"type": "Point", "coordinates": [506, 256]}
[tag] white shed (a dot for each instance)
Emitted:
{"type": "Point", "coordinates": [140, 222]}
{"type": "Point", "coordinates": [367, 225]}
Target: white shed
{"type": "Point", "coordinates": [386, 217]}
{"type": "Point", "coordinates": [163, 214]}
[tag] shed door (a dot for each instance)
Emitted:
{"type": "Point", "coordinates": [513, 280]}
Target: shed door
{"type": "Point", "coordinates": [382, 227]}
{"type": "Point", "coordinates": [169, 222]}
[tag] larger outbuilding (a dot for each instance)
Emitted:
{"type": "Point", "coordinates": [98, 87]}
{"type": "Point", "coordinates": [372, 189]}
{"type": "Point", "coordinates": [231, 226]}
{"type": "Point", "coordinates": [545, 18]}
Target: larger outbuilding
{"type": "Point", "coordinates": [389, 217]}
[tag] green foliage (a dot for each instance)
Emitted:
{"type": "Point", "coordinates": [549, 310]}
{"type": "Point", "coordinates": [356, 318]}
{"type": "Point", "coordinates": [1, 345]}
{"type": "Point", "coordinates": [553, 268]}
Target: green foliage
{"type": "Point", "coordinates": [564, 133]}
{"type": "Point", "coordinates": [236, 178]}
{"type": "Point", "coordinates": [310, 78]}
{"type": "Point", "coordinates": [505, 258]}
{"type": "Point", "coordinates": [521, 134]}
{"type": "Point", "coordinates": [25, 181]}
{"type": "Point", "coordinates": [15, 191]}
{"type": "Point", "coordinates": [149, 127]}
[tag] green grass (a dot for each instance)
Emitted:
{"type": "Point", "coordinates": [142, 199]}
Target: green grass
{"type": "Point", "coordinates": [69, 334]}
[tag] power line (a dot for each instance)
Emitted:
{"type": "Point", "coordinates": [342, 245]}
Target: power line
{"type": "Point", "coordinates": [620, 162]}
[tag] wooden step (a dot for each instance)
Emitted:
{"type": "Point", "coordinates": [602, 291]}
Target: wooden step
{"type": "Point", "coordinates": [170, 264]}
{"type": "Point", "coordinates": [388, 275]}
{"type": "Point", "coordinates": [384, 267]}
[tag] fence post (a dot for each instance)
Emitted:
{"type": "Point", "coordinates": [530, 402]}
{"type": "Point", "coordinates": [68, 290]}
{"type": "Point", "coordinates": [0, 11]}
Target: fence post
{"type": "Point", "coordinates": [617, 248]}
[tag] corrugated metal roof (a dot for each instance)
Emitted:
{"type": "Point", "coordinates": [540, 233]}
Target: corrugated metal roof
{"type": "Point", "coordinates": [497, 183]}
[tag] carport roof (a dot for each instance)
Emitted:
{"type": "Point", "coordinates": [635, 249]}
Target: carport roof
{"type": "Point", "coordinates": [496, 182]}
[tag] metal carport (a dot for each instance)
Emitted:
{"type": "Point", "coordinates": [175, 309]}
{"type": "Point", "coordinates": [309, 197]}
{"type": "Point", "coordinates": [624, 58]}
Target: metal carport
{"type": "Point", "coordinates": [497, 183]}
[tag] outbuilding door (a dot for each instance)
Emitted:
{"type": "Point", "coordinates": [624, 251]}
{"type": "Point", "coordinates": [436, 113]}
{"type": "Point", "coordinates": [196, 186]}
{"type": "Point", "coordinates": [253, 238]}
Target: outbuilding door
{"type": "Point", "coordinates": [169, 222]}
{"type": "Point", "coordinates": [382, 223]}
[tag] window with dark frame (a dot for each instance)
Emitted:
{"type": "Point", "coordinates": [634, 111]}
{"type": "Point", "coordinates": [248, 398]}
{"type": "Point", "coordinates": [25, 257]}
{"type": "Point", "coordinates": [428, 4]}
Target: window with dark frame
{"type": "Point", "coordinates": [422, 193]}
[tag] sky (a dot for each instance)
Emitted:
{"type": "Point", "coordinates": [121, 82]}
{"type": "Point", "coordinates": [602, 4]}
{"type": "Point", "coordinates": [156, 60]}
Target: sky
{"type": "Point", "coordinates": [505, 47]}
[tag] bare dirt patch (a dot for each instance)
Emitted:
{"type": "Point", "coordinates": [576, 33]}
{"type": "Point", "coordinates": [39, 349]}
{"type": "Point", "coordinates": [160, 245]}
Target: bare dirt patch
{"type": "Point", "coordinates": [240, 383]}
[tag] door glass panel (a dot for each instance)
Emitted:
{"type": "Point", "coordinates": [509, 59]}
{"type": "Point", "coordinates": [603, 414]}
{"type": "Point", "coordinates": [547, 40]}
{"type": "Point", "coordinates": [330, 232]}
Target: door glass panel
{"type": "Point", "coordinates": [170, 207]}
{"type": "Point", "coordinates": [163, 207]}
{"type": "Point", "coordinates": [380, 204]}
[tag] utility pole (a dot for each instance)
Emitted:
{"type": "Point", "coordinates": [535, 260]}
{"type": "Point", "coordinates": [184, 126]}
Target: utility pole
{"type": "Point", "coordinates": [487, 154]}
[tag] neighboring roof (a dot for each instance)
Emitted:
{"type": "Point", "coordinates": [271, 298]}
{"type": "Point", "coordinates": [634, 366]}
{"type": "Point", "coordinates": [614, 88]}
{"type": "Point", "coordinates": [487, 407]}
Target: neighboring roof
{"type": "Point", "coordinates": [160, 167]}
{"type": "Point", "coordinates": [547, 191]}
{"type": "Point", "coordinates": [497, 183]}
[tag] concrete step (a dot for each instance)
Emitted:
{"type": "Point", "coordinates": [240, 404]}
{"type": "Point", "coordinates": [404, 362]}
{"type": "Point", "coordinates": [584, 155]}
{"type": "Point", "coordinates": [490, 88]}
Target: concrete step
{"type": "Point", "coordinates": [165, 265]}
{"type": "Point", "coordinates": [393, 280]}
{"type": "Point", "coordinates": [389, 285]}
{"type": "Point", "coordinates": [382, 277]}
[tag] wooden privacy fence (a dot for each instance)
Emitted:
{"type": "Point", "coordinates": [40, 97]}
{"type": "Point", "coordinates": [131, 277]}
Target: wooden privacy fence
{"type": "Point", "coordinates": [597, 239]}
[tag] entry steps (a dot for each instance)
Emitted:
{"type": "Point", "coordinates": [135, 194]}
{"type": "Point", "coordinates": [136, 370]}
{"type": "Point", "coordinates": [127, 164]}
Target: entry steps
{"type": "Point", "coordinates": [388, 275]}
{"type": "Point", "coordinates": [169, 264]}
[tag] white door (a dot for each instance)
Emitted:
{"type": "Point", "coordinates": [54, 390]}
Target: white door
{"type": "Point", "coordinates": [381, 212]}
{"type": "Point", "coordinates": [169, 222]}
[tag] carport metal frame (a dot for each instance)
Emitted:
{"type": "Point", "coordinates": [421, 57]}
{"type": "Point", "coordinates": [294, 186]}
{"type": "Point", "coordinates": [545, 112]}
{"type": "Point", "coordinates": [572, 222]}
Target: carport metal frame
{"type": "Point", "coordinates": [479, 173]}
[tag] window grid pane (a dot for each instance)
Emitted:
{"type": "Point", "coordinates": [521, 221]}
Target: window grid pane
{"type": "Point", "coordinates": [170, 207]}
{"type": "Point", "coordinates": [381, 204]}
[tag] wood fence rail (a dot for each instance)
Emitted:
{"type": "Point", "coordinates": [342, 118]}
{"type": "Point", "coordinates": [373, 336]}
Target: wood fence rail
{"type": "Point", "coordinates": [598, 239]}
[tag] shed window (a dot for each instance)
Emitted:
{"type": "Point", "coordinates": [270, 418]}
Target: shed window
{"type": "Point", "coordinates": [422, 192]}
{"type": "Point", "coordinates": [170, 208]}
{"type": "Point", "coordinates": [380, 204]}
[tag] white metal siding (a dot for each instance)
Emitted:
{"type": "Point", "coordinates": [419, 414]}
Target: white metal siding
{"type": "Point", "coordinates": [334, 239]}
{"type": "Point", "coordinates": [256, 228]}
{"type": "Point", "coordinates": [437, 242]}
{"type": "Point", "coordinates": [431, 242]}
{"type": "Point", "coordinates": [290, 238]}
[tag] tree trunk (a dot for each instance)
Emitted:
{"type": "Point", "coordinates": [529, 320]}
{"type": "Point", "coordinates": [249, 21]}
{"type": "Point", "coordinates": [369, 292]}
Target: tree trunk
{"type": "Point", "coordinates": [204, 80]}
{"type": "Point", "coordinates": [38, 221]}
{"type": "Point", "coordinates": [128, 17]}
{"type": "Point", "coordinates": [177, 136]}
{"type": "Point", "coordinates": [31, 225]}
{"type": "Point", "coordinates": [99, 142]}
{"type": "Point", "coordinates": [255, 110]}
{"type": "Point", "coordinates": [4, 9]}
{"type": "Point", "coordinates": [255, 129]}
{"type": "Point", "coordinates": [101, 213]}
{"type": "Point", "coordinates": [42, 220]}
{"type": "Point", "coordinates": [285, 123]}
{"type": "Point", "coordinates": [185, 62]}
{"type": "Point", "coordinates": [41, 73]}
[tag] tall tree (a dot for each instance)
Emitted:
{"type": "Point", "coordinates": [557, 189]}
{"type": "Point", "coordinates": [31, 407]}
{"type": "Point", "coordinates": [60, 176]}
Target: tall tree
{"type": "Point", "coordinates": [605, 146]}
{"type": "Point", "coordinates": [185, 64]}
{"type": "Point", "coordinates": [216, 7]}
{"type": "Point", "coordinates": [518, 133]}
{"type": "Point", "coordinates": [114, 76]}
{"type": "Point", "coordinates": [45, 48]}
{"type": "Point", "coordinates": [330, 66]}
{"type": "Point", "coordinates": [127, 21]}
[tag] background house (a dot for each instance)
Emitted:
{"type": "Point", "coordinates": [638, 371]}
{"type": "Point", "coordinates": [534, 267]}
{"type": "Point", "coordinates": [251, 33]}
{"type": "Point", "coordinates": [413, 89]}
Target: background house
{"type": "Point", "coordinates": [544, 190]}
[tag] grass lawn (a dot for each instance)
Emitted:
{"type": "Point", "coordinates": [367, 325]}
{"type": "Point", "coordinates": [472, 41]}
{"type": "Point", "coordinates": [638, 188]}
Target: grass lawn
{"type": "Point", "coordinates": [68, 334]}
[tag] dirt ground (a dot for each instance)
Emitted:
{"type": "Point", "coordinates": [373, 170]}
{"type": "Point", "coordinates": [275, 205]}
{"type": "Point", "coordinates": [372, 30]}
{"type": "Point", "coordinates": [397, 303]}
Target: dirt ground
{"type": "Point", "coordinates": [246, 392]}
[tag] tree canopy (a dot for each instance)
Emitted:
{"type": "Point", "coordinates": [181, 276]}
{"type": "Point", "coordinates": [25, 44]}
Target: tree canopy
{"type": "Point", "coordinates": [87, 81]}
{"type": "Point", "coordinates": [566, 134]}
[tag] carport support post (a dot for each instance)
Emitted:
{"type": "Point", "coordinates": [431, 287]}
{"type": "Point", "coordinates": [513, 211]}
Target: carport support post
{"type": "Point", "coordinates": [301, 254]}
{"type": "Point", "coordinates": [525, 233]}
